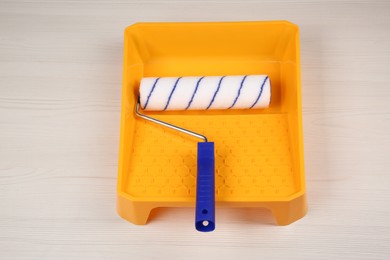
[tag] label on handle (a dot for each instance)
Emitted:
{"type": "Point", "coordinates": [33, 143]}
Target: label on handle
{"type": "Point", "coordinates": [205, 188]}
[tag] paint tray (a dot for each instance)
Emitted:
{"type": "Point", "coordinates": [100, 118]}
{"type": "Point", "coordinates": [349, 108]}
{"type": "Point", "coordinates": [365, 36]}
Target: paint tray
{"type": "Point", "coordinates": [259, 153]}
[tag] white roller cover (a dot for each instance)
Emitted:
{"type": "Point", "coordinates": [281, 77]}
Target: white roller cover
{"type": "Point", "coordinates": [208, 92]}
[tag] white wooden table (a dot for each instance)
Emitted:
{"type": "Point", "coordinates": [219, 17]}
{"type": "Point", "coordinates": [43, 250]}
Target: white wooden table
{"type": "Point", "coordinates": [60, 89]}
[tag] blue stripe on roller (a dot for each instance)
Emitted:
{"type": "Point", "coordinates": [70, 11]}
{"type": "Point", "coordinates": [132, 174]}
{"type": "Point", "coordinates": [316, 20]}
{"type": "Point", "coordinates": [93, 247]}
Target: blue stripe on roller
{"type": "Point", "coordinates": [239, 92]}
{"type": "Point", "coordinates": [216, 92]}
{"type": "Point", "coordinates": [261, 91]}
{"type": "Point", "coordinates": [193, 94]}
{"type": "Point", "coordinates": [150, 93]}
{"type": "Point", "coordinates": [170, 95]}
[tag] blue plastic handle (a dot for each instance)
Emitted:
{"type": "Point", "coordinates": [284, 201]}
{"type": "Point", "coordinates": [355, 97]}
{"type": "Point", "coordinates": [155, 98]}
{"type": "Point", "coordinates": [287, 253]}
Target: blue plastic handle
{"type": "Point", "coordinates": [205, 190]}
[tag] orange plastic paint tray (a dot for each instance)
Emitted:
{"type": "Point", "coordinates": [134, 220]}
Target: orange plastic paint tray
{"type": "Point", "coordinates": [259, 153]}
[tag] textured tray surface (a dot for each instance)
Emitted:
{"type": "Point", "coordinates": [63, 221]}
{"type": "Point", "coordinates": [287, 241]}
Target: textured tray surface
{"type": "Point", "coordinates": [253, 157]}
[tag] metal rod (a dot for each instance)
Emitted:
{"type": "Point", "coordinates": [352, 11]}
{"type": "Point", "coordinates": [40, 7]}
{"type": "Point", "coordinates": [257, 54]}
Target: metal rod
{"type": "Point", "coordinates": [177, 128]}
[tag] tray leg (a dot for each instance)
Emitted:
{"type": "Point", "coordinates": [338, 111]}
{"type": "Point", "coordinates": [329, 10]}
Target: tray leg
{"type": "Point", "coordinates": [135, 212]}
{"type": "Point", "coordinates": [288, 212]}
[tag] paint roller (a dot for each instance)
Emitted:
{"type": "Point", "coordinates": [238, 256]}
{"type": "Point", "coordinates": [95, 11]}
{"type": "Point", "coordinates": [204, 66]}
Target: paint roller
{"type": "Point", "coordinates": [203, 93]}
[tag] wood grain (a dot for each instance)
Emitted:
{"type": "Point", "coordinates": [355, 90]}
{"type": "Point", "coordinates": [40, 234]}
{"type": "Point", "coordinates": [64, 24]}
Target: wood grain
{"type": "Point", "coordinates": [60, 87]}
